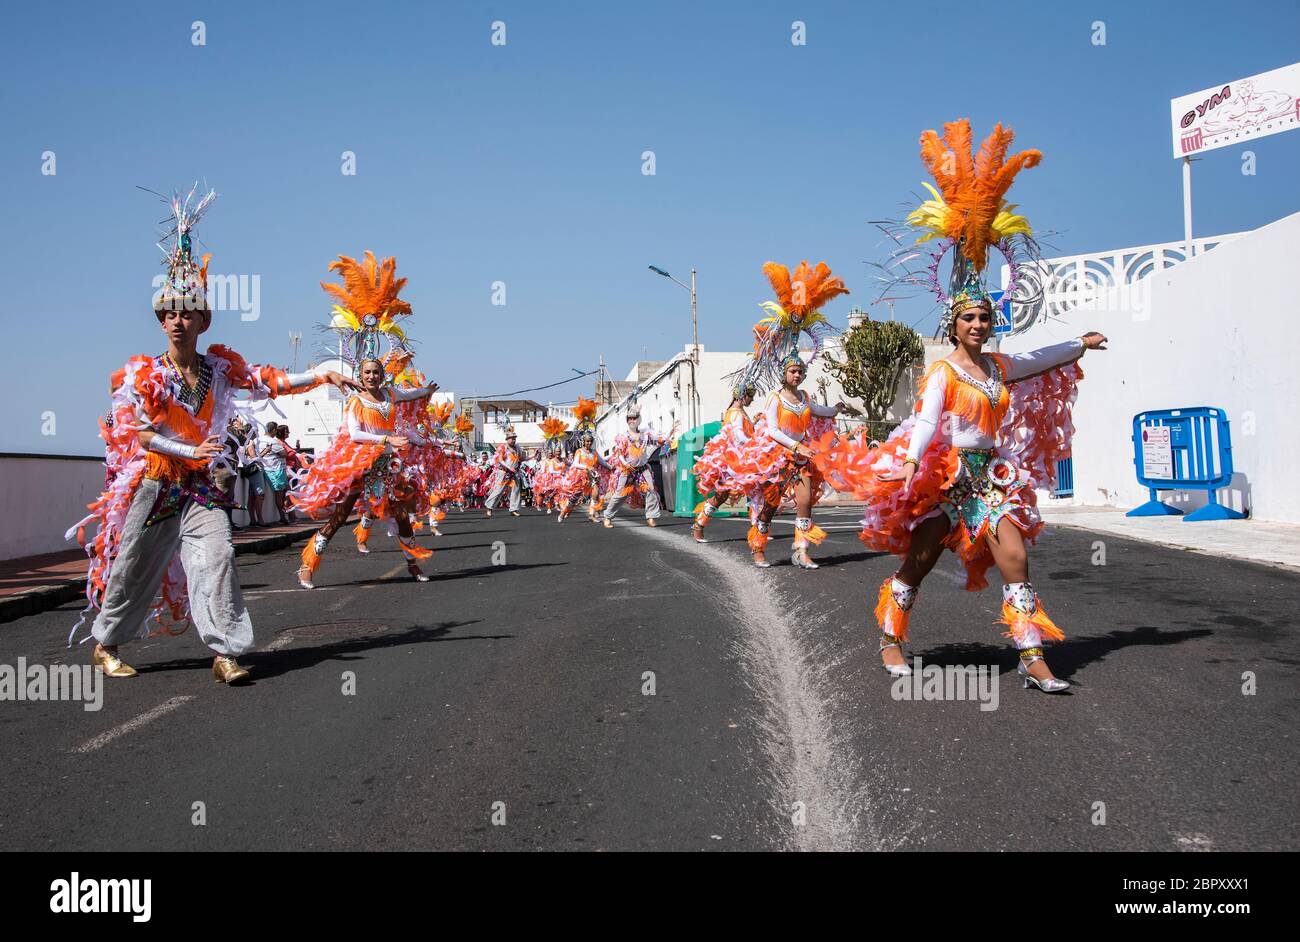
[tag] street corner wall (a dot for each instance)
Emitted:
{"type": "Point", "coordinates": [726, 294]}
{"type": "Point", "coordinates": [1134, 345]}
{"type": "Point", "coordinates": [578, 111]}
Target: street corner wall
{"type": "Point", "coordinates": [42, 497]}
{"type": "Point", "coordinates": [1215, 331]}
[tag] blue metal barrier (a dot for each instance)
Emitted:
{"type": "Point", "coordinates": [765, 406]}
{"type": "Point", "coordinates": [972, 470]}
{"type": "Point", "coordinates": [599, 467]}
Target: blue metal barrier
{"type": "Point", "coordinates": [1064, 478]}
{"type": "Point", "coordinates": [1183, 449]}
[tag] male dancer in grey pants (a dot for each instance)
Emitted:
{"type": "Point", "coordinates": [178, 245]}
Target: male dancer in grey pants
{"type": "Point", "coordinates": [507, 473]}
{"type": "Point", "coordinates": [161, 520]}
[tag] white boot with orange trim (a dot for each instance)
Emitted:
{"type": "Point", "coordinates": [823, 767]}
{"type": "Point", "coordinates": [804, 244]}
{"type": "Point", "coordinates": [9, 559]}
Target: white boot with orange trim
{"type": "Point", "coordinates": [362, 532]}
{"type": "Point", "coordinates": [805, 533]}
{"type": "Point", "coordinates": [311, 554]}
{"type": "Point", "coordinates": [1028, 625]}
{"type": "Point", "coordinates": [893, 604]}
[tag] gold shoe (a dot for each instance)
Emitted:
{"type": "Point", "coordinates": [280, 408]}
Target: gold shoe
{"type": "Point", "coordinates": [228, 671]}
{"type": "Point", "coordinates": [111, 664]}
{"type": "Point", "coordinates": [651, 522]}
{"type": "Point", "coordinates": [609, 524]}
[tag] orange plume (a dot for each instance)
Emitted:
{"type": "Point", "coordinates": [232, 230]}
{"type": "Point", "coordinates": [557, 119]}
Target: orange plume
{"type": "Point", "coordinates": [973, 186]}
{"type": "Point", "coordinates": [585, 410]}
{"type": "Point", "coordinates": [440, 412]}
{"type": "Point", "coordinates": [369, 287]}
{"type": "Point", "coordinates": [464, 424]}
{"type": "Point", "coordinates": [553, 427]}
{"type": "Point", "coordinates": [808, 289]}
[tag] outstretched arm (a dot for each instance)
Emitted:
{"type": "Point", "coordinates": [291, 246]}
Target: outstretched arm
{"type": "Point", "coordinates": [1024, 365]}
{"type": "Point", "coordinates": [421, 392]}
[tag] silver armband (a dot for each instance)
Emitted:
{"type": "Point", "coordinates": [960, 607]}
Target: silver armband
{"type": "Point", "coordinates": [168, 446]}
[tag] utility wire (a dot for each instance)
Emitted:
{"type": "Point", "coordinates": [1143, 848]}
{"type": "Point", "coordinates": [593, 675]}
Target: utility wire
{"type": "Point", "coordinates": [534, 388]}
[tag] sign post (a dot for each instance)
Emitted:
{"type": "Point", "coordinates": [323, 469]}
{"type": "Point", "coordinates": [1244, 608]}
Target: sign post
{"type": "Point", "coordinates": [1264, 104]}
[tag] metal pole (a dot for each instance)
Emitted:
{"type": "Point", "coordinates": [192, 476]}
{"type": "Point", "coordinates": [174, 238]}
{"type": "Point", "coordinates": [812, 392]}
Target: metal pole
{"type": "Point", "coordinates": [695, 354]}
{"type": "Point", "coordinates": [1187, 208]}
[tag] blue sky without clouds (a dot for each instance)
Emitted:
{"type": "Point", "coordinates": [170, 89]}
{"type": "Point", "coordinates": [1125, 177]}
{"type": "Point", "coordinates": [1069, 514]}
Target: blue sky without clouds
{"type": "Point", "coordinates": [522, 163]}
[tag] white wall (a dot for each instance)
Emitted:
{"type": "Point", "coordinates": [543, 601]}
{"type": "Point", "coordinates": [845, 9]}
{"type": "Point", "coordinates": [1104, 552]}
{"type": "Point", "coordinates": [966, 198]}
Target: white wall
{"type": "Point", "coordinates": [665, 399]}
{"type": "Point", "coordinates": [41, 498]}
{"type": "Point", "coordinates": [1217, 330]}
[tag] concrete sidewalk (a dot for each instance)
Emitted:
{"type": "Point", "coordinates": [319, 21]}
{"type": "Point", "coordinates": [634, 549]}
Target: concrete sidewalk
{"type": "Point", "coordinates": [32, 584]}
{"type": "Point", "coordinates": [1273, 544]}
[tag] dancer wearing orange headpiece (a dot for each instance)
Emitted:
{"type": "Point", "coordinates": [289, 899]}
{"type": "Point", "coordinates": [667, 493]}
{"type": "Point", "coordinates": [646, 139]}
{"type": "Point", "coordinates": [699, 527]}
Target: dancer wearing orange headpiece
{"type": "Point", "coordinates": [988, 429]}
{"type": "Point", "coordinates": [365, 460]}
{"type": "Point", "coordinates": [773, 466]}
{"type": "Point", "coordinates": [582, 480]}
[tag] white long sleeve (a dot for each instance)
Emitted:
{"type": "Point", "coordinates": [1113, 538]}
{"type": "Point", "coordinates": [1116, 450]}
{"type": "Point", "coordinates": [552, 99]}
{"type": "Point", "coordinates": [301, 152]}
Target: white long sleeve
{"type": "Point", "coordinates": [773, 427]}
{"type": "Point", "coordinates": [927, 420]}
{"type": "Point", "coordinates": [359, 434]}
{"type": "Point", "coordinates": [1037, 361]}
{"type": "Point", "coordinates": [824, 411]}
{"type": "Point", "coordinates": [405, 395]}
{"type": "Point", "coordinates": [305, 379]}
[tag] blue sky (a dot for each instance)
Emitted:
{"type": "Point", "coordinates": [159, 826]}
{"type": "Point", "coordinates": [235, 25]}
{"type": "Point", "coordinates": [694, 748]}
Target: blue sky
{"type": "Point", "coordinates": [522, 164]}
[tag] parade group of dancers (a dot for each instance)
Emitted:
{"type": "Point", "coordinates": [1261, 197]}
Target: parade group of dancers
{"type": "Point", "coordinates": [961, 473]}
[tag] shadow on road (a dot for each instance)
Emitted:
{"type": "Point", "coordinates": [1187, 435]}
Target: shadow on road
{"type": "Point", "coordinates": [267, 664]}
{"type": "Point", "coordinates": [841, 558]}
{"type": "Point", "coordinates": [1066, 658]}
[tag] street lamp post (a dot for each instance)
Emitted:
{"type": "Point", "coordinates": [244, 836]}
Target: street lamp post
{"type": "Point", "coordinates": [695, 338]}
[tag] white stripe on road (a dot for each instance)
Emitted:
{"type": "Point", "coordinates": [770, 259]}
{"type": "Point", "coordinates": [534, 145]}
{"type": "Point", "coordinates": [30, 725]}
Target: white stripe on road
{"type": "Point", "coordinates": [811, 764]}
{"type": "Point", "coordinates": [319, 588]}
{"type": "Point", "coordinates": [103, 739]}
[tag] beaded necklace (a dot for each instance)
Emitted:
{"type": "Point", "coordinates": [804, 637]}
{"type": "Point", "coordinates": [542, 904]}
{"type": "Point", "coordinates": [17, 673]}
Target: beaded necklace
{"type": "Point", "coordinates": [192, 397]}
{"type": "Point", "coordinates": [991, 387]}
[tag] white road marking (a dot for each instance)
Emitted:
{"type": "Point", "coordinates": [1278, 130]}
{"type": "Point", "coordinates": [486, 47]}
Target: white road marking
{"type": "Point", "coordinates": [811, 764]}
{"type": "Point", "coordinates": [319, 588]}
{"type": "Point", "coordinates": [103, 739]}
{"type": "Point", "coordinates": [1193, 842]}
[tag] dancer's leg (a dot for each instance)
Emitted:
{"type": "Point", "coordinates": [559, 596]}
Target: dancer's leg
{"type": "Point", "coordinates": [413, 551]}
{"type": "Point", "coordinates": [805, 533]}
{"type": "Point", "coordinates": [311, 554]}
{"type": "Point", "coordinates": [142, 558]}
{"type": "Point", "coordinates": [614, 499]}
{"type": "Point", "coordinates": [898, 592]}
{"type": "Point", "coordinates": [216, 602]}
{"type": "Point", "coordinates": [1021, 611]}
{"type": "Point", "coordinates": [652, 506]}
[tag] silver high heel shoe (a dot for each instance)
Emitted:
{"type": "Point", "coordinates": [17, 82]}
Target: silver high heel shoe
{"type": "Point", "coordinates": [1055, 685]}
{"type": "Point", "coordinates": [804, 563]}
{"type": "Point", "coordinates": [894, 670]}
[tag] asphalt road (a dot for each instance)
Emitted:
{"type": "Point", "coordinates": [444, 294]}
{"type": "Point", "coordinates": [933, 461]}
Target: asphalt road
{"type": "Point", "coordinates": [507, 704]}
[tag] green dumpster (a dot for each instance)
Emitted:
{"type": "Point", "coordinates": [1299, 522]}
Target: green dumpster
{"type": "Point", "coordinates": [690, 445]}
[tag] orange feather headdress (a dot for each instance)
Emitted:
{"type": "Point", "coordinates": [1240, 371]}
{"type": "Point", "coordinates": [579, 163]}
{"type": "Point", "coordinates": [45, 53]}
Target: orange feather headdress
{"type": "Point", "coordinates": [368, 306]}
{"type": "Point", "coordinates": [968, 216]}
{"type": "Point", "coordinates": [464, 424]}
{"type": "Point", "coordinates": [800, 296]}
{"type": "Point", "coordinates": [585, 412]}
{"type": "Point", "coordinates": [553, 428]}
{"type": "Point", "coordinates": [971, 210]}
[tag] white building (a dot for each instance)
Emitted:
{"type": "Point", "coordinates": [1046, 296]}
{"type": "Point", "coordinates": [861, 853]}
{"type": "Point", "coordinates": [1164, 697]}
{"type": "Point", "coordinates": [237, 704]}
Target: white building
{"type": "Point", "coordinates": [314, 417]}
{"type": "Point", "coordinates": [1214, 330]}
{"type": "Point", "coordinates": [693, 394]}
